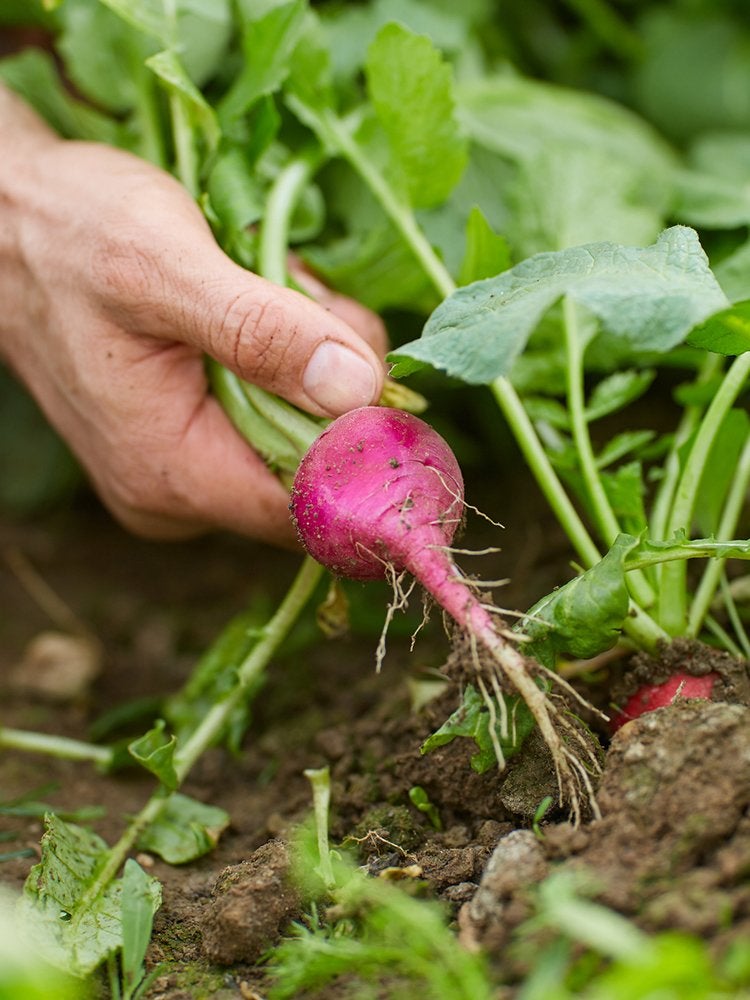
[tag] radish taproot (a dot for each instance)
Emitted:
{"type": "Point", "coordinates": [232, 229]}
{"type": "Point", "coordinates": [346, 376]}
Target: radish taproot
{"type": "Point", "coordinates": [380, 492]}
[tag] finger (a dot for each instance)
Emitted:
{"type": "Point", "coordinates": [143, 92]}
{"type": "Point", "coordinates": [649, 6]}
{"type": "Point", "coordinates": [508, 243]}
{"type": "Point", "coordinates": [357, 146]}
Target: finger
{"type": "Point", "coordinates": [366, 322]}
{"type": "Point", "coordinates": [212, 480]}
{"type": "Point", "coordinates": [275, 337]}
{"type": "Point", "coordinates": [284, 342]}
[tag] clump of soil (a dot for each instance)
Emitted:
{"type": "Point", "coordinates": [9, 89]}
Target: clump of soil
{"type": "Point", "coordinates": [672, 849]}
{"type": "Point", "coordinates": [251, 904]}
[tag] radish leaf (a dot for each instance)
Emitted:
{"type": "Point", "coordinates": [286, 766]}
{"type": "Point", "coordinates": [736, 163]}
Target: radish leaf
{"type": "Point", "coordinates": [411, 88]}
{"type": "Point", "coordinates": [155, 751]}
{"type": "Point", "coordinates": [81, 931]}
{"type": "Point", "coordinates": [184, 830]}
{"type": "Point", "coordinates": [584, 617]}
{"type": "Point", "coordinates": [268, 42]}
{"type": "Point", "coordinates": [646, 299]}
{"type": "Point", "coordinates": [726, 332]}
{"type": "Point", "coordinates": [487, 253]}
{"type": "Point", "coordinates": [472, 720]}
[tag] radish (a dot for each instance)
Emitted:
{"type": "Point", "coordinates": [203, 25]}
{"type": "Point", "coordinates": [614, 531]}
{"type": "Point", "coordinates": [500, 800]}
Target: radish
{"type": "Point", "coordinates": [380, 493]}
{"type": "Point", "coordinates": [649, 697]}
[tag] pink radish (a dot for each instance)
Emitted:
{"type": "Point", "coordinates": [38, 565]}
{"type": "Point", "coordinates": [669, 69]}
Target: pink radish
{"type": "Point", "coordinates": [652, 696]}
{"type": "Point", "coordinates": [380, 491]}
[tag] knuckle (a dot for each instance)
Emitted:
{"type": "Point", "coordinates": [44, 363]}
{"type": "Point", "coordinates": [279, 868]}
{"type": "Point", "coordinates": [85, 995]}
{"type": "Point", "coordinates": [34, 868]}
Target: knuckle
{"type": "Point", "coordinates": [256, 336]}
{"type": "Point", "coordinates": [126, 270]}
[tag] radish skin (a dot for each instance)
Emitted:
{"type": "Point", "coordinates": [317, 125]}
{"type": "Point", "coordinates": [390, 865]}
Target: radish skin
{"type": "Point", "coordinates": [382, 489]}
{"type": "Point", "coordinates": [652, 696]}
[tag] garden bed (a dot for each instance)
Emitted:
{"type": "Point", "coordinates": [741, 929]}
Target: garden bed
{"type": "Point", "coordinates": [671, 850]}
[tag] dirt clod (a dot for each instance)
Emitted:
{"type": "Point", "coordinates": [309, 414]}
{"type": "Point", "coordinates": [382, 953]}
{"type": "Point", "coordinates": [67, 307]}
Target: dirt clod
{"type": "Point", "coordinates": [250, 905]}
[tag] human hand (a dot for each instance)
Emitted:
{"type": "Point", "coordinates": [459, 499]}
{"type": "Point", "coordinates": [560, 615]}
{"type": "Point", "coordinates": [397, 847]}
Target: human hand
{"type": "Point", "coordinates": [113, 290]}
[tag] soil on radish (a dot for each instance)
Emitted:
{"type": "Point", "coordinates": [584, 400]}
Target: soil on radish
{"type": "Point", "coordinates": [672, 848]}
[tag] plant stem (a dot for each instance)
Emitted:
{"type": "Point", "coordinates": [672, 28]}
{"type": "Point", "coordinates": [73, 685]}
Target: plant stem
{"type": "Point", "coordinates": [186, 154]}
{"type": "Point", "coordinates": [604, 516]}
{"type": "Point", "coordinates": [320, 779]}
{"type": "Point", "coordinates": [150, 128]}
{"type": "Point", "coordinates": [251, 667]}
{"type": "Point", "coordinates": [689, 422]}
{"type": "Point", "coordinates": [285, 192]}
{"type": "Point", "coordinates": [213, 723]}
{"type": "Point", "coordinates": [401, 215]}
{"type": "Point", "coordinates": [609, 527]}
{"type": "Point", "coordinates": [673, 595]}
{"type": "Point", "coordinates": [538, 461]}
{"type": "Point", "coordinates": [55, 746]}
{"type": "Point", "coordinates": [712, 575]}
{"type": "Point", "coordinates": [700, 548]}
{"type": "Point", "coordinates": [186, 157]}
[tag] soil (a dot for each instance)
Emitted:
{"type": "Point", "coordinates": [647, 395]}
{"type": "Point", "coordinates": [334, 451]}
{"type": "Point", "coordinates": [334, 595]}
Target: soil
{"type": "Point", "coordinates": [671, 849]}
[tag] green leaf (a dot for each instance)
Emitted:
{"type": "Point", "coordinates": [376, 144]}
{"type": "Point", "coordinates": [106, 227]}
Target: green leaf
{"type": "Point", "coordinates": [268, 43]}
{"type": "Point", "coordinates": [646, 299]}
{"type": "Point", "coordinates": [375, 267]}
{"type": "Point", "coordinates": [184, 830]}
{"type": "Point", "coordinates": [726, 332]}
{"type": "Point", "coordinates": [235, 191]}
{"type": "Point", "coordinates": [25, 972]}
{"type": "Point", "coordinates": [711, 202]}
{"type": "Point", "coordinates": [649, 553]}
{"type": "Point", "coordinates": [137, 906]}
{"type": "Point", "coordinates": [487, 253]}
{"type": "Point", "coordinates": [82, 932]}
{"type": "Point", "coordinates": [472, 720]}
{"type": "Point", "coordinates": [146, 16]}
{"type": "Point", "coordinates": [169, 68]}
{"type": "Point", "coordinates": [198, 29]}
{"type": "Point", "coordinates": [616, 391]}
{"type": "Point", "coordinates": [622, 444]}
{"type": "Point", "coordinates": [411, 88]}
{"type": "Point", "coordinates": [155, 751]}
{"type": "Point", "coordinates": [733, 273]}
{"type": "Point", "coordinates": [625, 490]}
{"type": "Point", "coordinates": [104, 56]}
{"type": "Point", "coordinates": [584, 617]}
{"type": "Point", "coordinates": [32, 74]}
{"type": "Point", "coordinates": [577, 169]}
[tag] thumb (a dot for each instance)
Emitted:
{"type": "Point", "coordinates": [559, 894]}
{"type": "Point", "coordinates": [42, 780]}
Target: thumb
{"type": "Point", "coordinates": [278, 339]}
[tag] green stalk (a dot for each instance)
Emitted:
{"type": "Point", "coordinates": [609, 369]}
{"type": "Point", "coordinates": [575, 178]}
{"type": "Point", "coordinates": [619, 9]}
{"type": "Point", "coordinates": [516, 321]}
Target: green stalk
{"type": "Point", "coordinates": [538, 461]}
{"type": "Point", "coordinates": [251, 667]}
{"type": "Point", "coordinates": [673, 590]}
{"type": "Point", "coordinates": [210, 729]}
{"type": "Point", "coordinates": [283, 197]}
{"type": "Point", "coordinates": [601, 508]}
{"type": "Point", "coordinates": [604, 516]}
{"type": "Point", "coordinates": [400, 214]}
{"type": "Point", "coordinates": [711, 579]}
{"type": "Point", "coordinates": [152, 136]}
{"type": "Point", "coordinates": [320, 779]}
{"type": "Point", "coordinates": [187, 166]}
{"type": "Point", "coordinates": [186, 156]}
{"type": "Point", "coordinates": [699, 548]}
{"type": "Point", "coordinates": [55, 746]}
{"type": "Point", "coordinates": [686, 428]}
